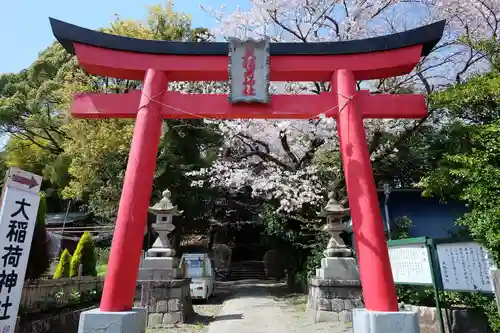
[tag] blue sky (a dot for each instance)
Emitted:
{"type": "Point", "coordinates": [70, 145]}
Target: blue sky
{"type": "Point", "coordinates": [25, 29]}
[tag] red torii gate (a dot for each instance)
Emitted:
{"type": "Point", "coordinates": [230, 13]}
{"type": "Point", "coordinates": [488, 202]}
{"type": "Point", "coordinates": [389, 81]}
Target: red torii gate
{"type": "Point", "coordinates": [158, 62]}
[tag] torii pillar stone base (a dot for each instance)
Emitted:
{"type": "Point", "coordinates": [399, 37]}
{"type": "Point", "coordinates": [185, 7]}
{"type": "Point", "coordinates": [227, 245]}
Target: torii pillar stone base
{"type": "Point", "coordinates": [366, 321]}
{"type": "Point", "coordinates": [133, 321]}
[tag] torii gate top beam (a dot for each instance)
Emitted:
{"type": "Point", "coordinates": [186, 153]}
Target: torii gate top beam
{"type": "Point", "coordinates": [129, 58]}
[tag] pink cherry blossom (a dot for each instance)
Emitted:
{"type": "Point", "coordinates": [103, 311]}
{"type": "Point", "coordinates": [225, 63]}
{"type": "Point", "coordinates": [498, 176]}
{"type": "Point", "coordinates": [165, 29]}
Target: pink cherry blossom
{"type": "Point", "coordinates": [273, 172]}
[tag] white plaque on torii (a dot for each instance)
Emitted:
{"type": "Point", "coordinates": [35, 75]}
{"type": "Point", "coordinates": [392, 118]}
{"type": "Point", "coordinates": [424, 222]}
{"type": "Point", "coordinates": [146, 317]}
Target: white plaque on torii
{"type": "Point", "coordinates": [249, 70]}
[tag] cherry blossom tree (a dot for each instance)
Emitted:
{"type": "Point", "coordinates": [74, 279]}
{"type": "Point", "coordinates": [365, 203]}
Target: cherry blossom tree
{"type": "Point", "coordinates": [276, 158]}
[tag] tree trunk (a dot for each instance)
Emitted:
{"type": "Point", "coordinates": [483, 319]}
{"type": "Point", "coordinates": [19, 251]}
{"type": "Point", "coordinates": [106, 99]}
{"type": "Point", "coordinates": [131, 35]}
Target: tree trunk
{"type": "Point", "coordinates": [212, 231]}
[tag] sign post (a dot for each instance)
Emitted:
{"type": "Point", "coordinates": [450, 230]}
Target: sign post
{"type": "Point", "coordinates": [412, 264]}
{"type": "Point", "coordinates": [452, 264]}
{"type": "Point", "coordinates": [19, 208]}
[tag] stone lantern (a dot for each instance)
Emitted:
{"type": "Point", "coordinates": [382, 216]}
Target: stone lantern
{"type": "Point", "coordinates": [161, 286]}
{"type": "Point", "coordinates": [164, 212]}
{"type": "Point", "coordinates": [336, 288]}
{"type": "Point", "coordinates": [338, 261]}
{"type": "Point", "coordinates": [334, 213]}
{"type": "Point", "coordinates": [160, 262]}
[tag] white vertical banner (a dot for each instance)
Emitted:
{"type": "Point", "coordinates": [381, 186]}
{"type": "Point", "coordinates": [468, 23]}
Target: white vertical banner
{"type": "Point", "coordinates": [18, 212]}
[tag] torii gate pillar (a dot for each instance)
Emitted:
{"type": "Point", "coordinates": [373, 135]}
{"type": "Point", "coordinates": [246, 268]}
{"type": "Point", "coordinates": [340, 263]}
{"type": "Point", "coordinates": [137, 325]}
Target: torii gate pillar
{"type": "Point", "coordinates": [135, 198]}
{"type": "Point", "coordinates": [341, 63]}
{"type": "Point", "coordinates": [378, 290]}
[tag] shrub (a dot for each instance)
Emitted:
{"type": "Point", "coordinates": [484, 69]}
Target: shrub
{"type": "Point", "coordinates": [39, 260]}
{"type": "Point", "coordinates": [63, 268]}
{"type": "Point", "coordinates": [84, 255]}
{"type": "Point", "coordinates": [102, 255]}
{"type": "Point", "coordinates": [275, 266]}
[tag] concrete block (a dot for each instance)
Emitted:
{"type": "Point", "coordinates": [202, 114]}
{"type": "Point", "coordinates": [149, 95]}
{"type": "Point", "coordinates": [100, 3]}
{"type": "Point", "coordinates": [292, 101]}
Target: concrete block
{"type": "Point", "coordinates": [160, 263]}
{"type": "Point", "coordinates": [338, 269]}
{"type": "Point", "coordinates": [385, 322]}
{"type": "Point", "coordinates": [326, 316]}
{"type": "Point", "coordinates": [157, 274]}
{"type": "Point", "coordinates": [161, 307]}
{"type": "Point", "coordinates": [94, 320]}
{"type": "Point", "coordinates": [345, 317]}
{"type": "Point", "coordinates": [172, 318]}
{"type": "Point", "coordinates": [155, 319]}
{"type": "Point", "coordinates": [173, 305]}
{"type": "Point", "coordinates": [175, 292]}
{"type": "Point", "coordinates": [348, 304]}
{"type": "Point", "coordinates": [337, 305]}
{"type": "Point", "coordinates": [324, 305]}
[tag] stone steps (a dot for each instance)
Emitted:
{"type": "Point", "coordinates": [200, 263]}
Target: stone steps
{"type": "Point", "coordinates": [248, 270]}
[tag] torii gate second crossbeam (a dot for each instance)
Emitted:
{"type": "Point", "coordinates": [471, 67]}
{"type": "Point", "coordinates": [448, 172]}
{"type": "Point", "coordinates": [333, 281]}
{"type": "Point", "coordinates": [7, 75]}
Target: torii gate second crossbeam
{"type": "Point", "coordinates": [157, 63]}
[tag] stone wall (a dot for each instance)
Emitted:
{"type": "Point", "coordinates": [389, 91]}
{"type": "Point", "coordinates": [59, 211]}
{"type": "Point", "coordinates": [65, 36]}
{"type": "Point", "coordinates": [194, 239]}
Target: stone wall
{"type": "Point", "coordinates": [167, 302]}
{"type": "Point", "coordinates": [462, 320]}
{"type": "Point", "coordinates": [39, 294]}
{"type": "Point", "coordinates": [331, 300]}
{"type": "Point", "coordinates": [65, 322]}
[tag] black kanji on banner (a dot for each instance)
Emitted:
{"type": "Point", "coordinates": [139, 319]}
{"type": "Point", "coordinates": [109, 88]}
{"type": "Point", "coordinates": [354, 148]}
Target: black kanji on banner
{"type": "Point", "coordinates": [12, 255]}
{"type": "Point", "coordinates": [5, 306]}
{"type": "Point", "coordinates": [17, 231]}
{"type": "Point", "coordinates": [21, 210]}
{"type": "Point", "coordinates": [8, 280]}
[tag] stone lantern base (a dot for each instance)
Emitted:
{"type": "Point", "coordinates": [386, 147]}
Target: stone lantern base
{"type": "Point", "coordinates": [338, 268]}
{"type": "Point", "coordinates": [333, 300]}
{"type": "Point", "coordinates": [159, 268]}
{"type": "Point", "coordinates": [166, 302]}
{"type": "Point", "coordinates": [336, 289]}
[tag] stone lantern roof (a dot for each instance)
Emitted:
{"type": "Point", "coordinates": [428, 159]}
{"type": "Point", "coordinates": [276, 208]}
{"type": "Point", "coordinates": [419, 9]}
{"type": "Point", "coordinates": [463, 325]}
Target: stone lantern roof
{"type": "Point", "coordinates": [333, 208]}
{"type": "Point", "coordinates": [165, 206]}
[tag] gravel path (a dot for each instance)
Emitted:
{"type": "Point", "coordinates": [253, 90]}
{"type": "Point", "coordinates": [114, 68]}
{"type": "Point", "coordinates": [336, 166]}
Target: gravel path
{"type": "Point", "coordinates": [250, 313]}
{"type": "Point", "coordinates": [254, 307]}
{"type": "Point", "coordinates": [257, 309]}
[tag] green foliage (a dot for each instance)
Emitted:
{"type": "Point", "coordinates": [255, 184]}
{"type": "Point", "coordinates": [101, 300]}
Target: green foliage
{"type": "Point", "coordinates": [301, 238]}
{"type": "Point", "coordinates": [468, 168]}
{"type": "Point", "coordinates": [28, 105]}
{"type": "Point", "coordinates": [99, 150]}
{"type": "Point", "coordinates": [300, 230]}
{"type": "Point", "coordinates": [63, 268]}
{"type": "Point", "coordinates": [102, 255]}
{"type": "Point", "coordinates": [84, 255]}
{"type": "Point", "coordinates": [85, 160]}
{"type": "Point", "coordinates": [329, 164]}
{"type": "Point", "coordinates": [415, 295]}
{"type": "Point", "coordinates": [401, 226]}
{"type": "Point", "coordinates": [472, 173]}
{"type": "Point", "coordinates": [313, 260]}
{"type": "Point", "coordinates": [39, 261]}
